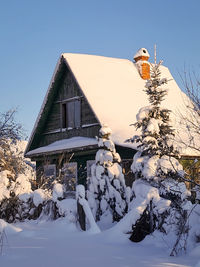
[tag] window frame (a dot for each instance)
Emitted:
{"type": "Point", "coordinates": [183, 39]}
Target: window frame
{"type": "Point", "coordinates": [71, 113]}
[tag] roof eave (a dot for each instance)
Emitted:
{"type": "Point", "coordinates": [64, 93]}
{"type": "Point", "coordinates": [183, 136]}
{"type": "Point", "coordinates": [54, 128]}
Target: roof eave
{"type": "Point", "coordinates": [60, 151]}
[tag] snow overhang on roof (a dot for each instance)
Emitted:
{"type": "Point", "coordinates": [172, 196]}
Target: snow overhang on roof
{"type": "Point", "coordinates": [63, 145]}
{"type": "Point", "coordinates": [115, 92]}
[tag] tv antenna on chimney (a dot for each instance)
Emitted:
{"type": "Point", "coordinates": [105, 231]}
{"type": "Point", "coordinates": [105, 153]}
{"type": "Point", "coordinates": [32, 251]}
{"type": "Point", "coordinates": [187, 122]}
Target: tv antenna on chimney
{"type": "Point", "coordinates": [155, 53]}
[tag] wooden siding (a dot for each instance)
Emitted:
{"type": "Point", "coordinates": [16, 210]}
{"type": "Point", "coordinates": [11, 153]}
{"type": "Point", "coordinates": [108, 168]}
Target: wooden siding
{"type": "Point", "coordinates": [65, 88]}
{"type": "Point", "coordinates": [53, 119]}
{"type": "Point", "coordinates": [68, 90]}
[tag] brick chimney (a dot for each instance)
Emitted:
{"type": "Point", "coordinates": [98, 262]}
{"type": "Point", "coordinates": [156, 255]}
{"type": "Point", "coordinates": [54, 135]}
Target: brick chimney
{"type": "Point", "coordinates": [141, 61]}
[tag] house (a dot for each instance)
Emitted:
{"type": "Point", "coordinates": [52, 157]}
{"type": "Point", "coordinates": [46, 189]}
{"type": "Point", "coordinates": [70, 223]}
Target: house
{"type": "Point", "coordinates": [85, 92]}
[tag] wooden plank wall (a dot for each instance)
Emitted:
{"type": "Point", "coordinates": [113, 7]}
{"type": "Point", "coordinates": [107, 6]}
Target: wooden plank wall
{"type": "Point", "coordinates": [52, 130]}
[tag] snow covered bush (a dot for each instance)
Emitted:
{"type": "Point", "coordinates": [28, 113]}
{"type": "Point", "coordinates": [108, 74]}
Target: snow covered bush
{"type": "Point", "coordinates": [18, 199]}
{"type": "Point", "coordinates": [156, 165]}
{"type": "Point", "coordinates": [19, 202]}
{"type": "Point", "coordinates": [17, 174]}
{"type": "Point", "coordinates": [67, 208]}
{"type": "Point", "coordinates": [11, 192]}
{"type": "Point", "coordinates": [144, 210]}
{"type": "Point", "coordinates": [107, 189]}
{"type": "Point", "coordinates": [16, 180]}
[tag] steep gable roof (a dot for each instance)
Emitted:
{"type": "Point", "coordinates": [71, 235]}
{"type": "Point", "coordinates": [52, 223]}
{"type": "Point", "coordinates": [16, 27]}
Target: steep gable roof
{"type": "Point", "coordinates": [115, 92]}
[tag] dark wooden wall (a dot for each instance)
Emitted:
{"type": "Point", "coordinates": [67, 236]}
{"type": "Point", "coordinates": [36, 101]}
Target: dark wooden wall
{"type": "Point", "coordinates": [52, 131]}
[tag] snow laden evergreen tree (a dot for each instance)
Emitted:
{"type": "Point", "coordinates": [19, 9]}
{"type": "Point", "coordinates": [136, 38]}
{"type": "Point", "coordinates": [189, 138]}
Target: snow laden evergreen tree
{"type": "Point", "coordinates": [155, 165]}
{"type": "Point", "coordinates": [156, 156]}
{"type": "Point", "coordinates": [107, 189]}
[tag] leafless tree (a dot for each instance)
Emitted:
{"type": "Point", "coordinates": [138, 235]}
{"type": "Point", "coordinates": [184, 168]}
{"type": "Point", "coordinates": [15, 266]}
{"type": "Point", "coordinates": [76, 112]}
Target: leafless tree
{"type": "Point", "coordinates": [191, 119]}
{"type": "Point", "coordinates": [9, 128]}
{"type": "Point", "coordinates": [10, 132]}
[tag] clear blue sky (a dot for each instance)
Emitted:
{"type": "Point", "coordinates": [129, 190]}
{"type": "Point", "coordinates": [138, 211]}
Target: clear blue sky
{"type": "Point", "coordinates": [33, 33]}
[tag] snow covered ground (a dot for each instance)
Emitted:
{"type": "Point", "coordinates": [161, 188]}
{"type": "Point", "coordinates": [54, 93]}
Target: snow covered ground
{"type": "Point", "coordinates": [60, 243]}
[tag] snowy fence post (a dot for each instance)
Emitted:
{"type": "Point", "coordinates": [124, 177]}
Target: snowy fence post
{"type": "Point", "coordinates": [80, 193]}
{"type": "Point", "coordinates": [84, 211]}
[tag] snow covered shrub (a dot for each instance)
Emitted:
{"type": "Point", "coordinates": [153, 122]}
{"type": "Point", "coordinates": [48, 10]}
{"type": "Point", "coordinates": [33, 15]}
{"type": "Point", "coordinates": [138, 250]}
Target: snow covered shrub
{"type": "Point", "coordinates": [156, 164]}
{"type": "Point", "coordinates": [67, 208]}
{"type": "Point", "coordinates": [19, 177]}
{"type": "Point", "coordinates": [10, 190]}
{"type": "Point", "coordinates": [144, 210]}
{"type": "Point", "coordinates": [14, 181]}
{"type": "Point", "coordinates": [27, 204]}
{"type": "Point", "coordinates": [18, 202]}
{"type": "Point", "coordinates": [43, 203]}
{"type": "Point", "coordinates": [63, 207]}
{"type": "Point", "coordinates": [107, 189]}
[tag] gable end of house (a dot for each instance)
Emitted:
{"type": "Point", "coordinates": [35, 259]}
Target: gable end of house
{"type": "Point", "coordinates": [65, 113]}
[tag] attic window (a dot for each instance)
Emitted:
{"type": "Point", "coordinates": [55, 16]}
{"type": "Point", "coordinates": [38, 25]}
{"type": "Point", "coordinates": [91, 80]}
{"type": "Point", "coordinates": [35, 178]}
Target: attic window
{"type": "Point", "coordinates": [144, 51]}
{"type": "Point", "coordinates": [71, 114]}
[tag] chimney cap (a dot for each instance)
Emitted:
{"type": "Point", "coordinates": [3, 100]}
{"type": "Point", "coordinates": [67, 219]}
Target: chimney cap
{"type": "Point", "coordinates": [142, 52]}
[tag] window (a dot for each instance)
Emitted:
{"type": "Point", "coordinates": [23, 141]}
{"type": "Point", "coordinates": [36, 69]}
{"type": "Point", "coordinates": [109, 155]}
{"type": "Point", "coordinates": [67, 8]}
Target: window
{"type": "Point", "coordinates": [71, 114]}
{"type": "Point", "coordinates": [70, 178]}
{"type": "Point", "coordinates": [50, 170]}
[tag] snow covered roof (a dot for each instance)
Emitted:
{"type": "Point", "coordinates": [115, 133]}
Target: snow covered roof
{"type": "Point", "coordinates": [65, 144]}
{"type": "Point", "coordinates": [115, 92]}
